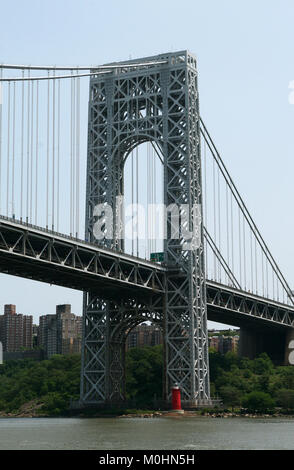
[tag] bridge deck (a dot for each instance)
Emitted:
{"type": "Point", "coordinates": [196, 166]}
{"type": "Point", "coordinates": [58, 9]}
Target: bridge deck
{"type": "Point", "coordinates": [35, 253]}
{"type": "Point", "coordinates": [39, 254]}
{"type": "Point", "coordinates": [229, 305]}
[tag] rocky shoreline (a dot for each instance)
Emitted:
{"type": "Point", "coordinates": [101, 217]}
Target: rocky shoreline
{"type": "Point", "coordinates": [28, 410]}
{"type": "Point", "coordinates": [32, 409]}
{"type": "Point", "coordinates": [149, 415]}
{"type": "Point", "coordinates": [195, 414]}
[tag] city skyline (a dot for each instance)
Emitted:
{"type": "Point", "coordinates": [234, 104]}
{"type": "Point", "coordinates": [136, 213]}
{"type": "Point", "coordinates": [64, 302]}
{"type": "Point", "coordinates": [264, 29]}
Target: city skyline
{"type": "Point", "coordinates": [57, 333]}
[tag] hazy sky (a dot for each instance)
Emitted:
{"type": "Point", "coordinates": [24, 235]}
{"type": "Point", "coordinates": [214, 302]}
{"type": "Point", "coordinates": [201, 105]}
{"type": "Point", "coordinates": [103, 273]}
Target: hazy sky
{"type": "Point", "coordinates": [245, 52]}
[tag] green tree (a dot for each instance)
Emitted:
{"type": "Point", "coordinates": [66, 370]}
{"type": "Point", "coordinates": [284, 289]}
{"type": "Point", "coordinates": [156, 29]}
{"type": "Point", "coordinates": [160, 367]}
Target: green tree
{"type": "Point", "coordinates": [262, 364]}
{"type": "Point", "coordinates": [263, 381]}
{"type": "Point", "coordinates": [285, 377]}
{"type": "Point", "coordinates": [144, 375]}
{"type": "Point", "coordinates": [231, 359]}
{"type": "Point", "coordinates": [216, 363]}
{"type": "Point", "coordinates": [258, 402]}
{"type": "Point", "coordinates": [53, 382]}
{"type": "Point", "coordinates": [231, 396]}
{"type": "Point", "coordinates": [285, 398]}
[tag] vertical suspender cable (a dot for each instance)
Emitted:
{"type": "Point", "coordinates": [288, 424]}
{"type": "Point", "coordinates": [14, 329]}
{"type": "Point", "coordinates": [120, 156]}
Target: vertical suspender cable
{"type": "Point", "coordinates": [1, 99]}
{"type": "Point", "coordinates": [73, 156]}
{"type": "Point", "coordinates": [72, 166]}
{"type": "Point", "coordinates": [147, 191]}
{"type": "Point", "coordinates": [48, 155]}
{"type": "Point", "coordinates": [58, 153]}
{"type": "Point", "coordinates": [266, 274]}
{"type": "Point", "coordinates": [28, 148]}
{"type": "Point", "coordinates": [13, 152]}
{"type": "Point", "coordinates": [262, 262]}
{"type": "Point", "coordinates": [155, 196]}
{"type": "Point", "coordinates": [71, 152]}
{"type": "Point", "coordinates": [37, 153]}
{"type": "Point", "coordinates": [78, 159]}
{"type": "Point", "coordinates": [132, 178]}
{"type": "Point", "coordinates": [205, 202]}
{"type": "Point", "coordinates": [154, 185]}
{"type": "Point", "coordinates": [256, 272]}
{"type": "Point", "coordinates": [240, 245]}
{"type": "Point", "coordinates": [232, 233]}
{"type": "Point", "coordinates": [153, 201]}
{"type": "Point", "coordinates": [8, 150]}
{"type": "Point", "coordinates": [148, 200]}
{"type": "Point", "coordinates": [31, 158]}
{"type": "Point", "coordinates": [214, 214]}
{"type": "Point", "coordinates": [251, 260]}
{"type": "Point", "coordinates": [228, 233]}
{"type": "Point", "coordinates": [53, 152]}
{"type": "Point", "coordinates": [137, 199]}
{"type": "Point", "coordinates": [219, 220]}
{"type": "Point", "coordinates": [244, 251]}
{"type": "Point", "coordinates": [22, 148]}
{"type": "Point", "coordinates": [145, 220]}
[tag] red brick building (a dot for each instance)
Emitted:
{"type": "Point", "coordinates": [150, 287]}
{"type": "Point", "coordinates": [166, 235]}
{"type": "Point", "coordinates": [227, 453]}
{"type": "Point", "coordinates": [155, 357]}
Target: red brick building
{"type": "Point", "coordinates": [60, 333]}
{"type": "Point", "coordinates": [16, 330]}
{"type": "Point", "coordinates": [144, 335]}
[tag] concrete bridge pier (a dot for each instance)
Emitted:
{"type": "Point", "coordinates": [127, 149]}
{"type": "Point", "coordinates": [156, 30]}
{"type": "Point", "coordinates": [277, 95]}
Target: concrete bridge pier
{"type": "Point", "coordinates": [274, 342]}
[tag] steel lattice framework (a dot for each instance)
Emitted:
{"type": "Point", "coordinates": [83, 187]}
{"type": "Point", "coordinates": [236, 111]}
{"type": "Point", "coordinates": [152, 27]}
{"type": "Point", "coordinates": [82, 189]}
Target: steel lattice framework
{"type": "Point", "coordinates": [152, 100]}
{"type": "Point", "coordinates": [36, 253]}
{"type": "Point", "coordinates": [158, 104]}
{"type": "Point", "coordinates": [232, 304]}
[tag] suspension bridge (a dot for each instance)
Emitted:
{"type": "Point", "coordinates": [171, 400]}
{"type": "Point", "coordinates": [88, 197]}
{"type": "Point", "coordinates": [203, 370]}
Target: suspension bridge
{"type": "Point", "coordinates": [76, 141]}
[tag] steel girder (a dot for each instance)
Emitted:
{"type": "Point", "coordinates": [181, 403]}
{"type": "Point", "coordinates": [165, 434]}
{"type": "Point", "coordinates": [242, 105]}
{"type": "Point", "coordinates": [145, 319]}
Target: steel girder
{"type": "Point", "coordinates": [239, 307]}
{"type": "Point", "coordinates": [31, 252]}
{"type": "Point", "coordinates": [127, 107]}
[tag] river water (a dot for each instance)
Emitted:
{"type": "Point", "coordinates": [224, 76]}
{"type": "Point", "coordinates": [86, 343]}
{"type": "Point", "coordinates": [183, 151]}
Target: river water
{"type": "Point", "coordinates": [183, 433]}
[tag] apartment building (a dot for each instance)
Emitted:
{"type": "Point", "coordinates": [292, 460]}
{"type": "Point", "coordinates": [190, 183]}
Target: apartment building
{"type": "Point", "coordinates": [144, 335]}
{"type": "Point", "coordinates": [60, 333]}
{"type": "Point", "coordinates": [16, 330]}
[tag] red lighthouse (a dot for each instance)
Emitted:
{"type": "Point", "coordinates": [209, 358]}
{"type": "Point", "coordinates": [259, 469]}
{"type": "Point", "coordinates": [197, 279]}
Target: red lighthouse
{"type": "Point", "coordinates": [176, 399]}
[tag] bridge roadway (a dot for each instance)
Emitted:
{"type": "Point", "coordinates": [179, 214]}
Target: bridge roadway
{"type": "Point", "coordinates": [36, 253]}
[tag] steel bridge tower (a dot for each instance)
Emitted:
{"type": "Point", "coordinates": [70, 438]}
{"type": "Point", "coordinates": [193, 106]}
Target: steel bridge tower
{"type": "Point", "coordinates": [154, 101]}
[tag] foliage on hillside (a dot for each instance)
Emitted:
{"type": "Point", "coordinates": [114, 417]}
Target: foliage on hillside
{"type": "Point", "coordinates": [256, 385]}
{"type": "Point", "coordinates": [144, 367]}
{"type": "Point", "coordinates": [53, 382]}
